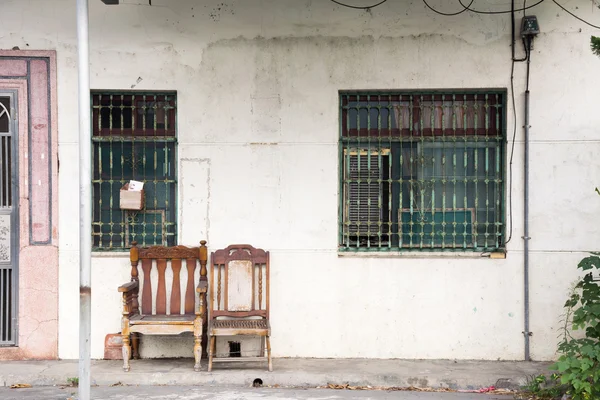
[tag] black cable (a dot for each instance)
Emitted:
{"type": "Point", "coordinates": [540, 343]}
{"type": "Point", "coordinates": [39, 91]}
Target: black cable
{"type": "Point", "coordinates": [499, 12]}
{"type": "Point", "coordinates": [512, 33]}
{"type": "Point", "coordinates": [528, 52]}
{"type": "Point", "coordinates": [575, 16]}
{"type": "Point", "coordinates": [448, 14]}
{"type": "Point", "coordinates": [527, 45]}
{"type": "Point", "coordinates": [359, 8]}
{"type": "Point", "coordinates": [514, 112]}
{"type": "Point", "coordinates": [512, 152]}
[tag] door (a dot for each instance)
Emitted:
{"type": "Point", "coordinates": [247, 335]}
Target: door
{"type": "Point", "coordinates": [8, 218]}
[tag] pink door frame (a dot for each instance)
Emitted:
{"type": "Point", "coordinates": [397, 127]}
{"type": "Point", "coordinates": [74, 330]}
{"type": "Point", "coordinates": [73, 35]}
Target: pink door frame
{"type": "Point", "coordinates": [33, 75]}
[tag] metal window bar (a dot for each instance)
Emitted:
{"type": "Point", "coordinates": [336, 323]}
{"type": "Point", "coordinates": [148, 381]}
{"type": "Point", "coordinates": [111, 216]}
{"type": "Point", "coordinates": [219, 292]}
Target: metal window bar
{"type": "Point", "coordinates": [8, 221]}
{"type": "Point", "coordinates": [422, 170]}
{"type": "Point", "coordinates": [134, 138]}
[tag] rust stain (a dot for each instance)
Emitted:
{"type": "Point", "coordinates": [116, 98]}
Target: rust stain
{"type": "Point", "coordinates": [39, 126]}
{"type": "Point", "coordinates": [85, 290]}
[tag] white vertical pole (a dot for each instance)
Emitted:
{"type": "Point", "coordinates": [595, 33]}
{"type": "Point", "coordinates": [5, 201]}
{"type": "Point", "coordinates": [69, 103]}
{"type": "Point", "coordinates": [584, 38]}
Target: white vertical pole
{"type": "Point", "coordinates": [85, 199]}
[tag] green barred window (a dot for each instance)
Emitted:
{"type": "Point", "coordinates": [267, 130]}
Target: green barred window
{"type": "Point", "coordinates": [422, 171]}
{"type": "Point", "coordinates": [134, 138]}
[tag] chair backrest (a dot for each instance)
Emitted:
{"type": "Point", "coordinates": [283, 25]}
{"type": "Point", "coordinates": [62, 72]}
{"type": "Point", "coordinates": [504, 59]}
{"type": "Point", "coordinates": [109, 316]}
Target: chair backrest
{"type": "Point", "coordinates": [163, 259]}
{"type": "Point", "coordinates": [239, 282]}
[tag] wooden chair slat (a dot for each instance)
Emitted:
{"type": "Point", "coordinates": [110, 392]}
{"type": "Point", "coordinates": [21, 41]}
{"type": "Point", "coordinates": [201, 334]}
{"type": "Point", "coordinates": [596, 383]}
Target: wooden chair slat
{"type": "Point", "coordinates": [190, 298]}
{"type": "Point", "coordinates": [254, 289]}
{"type": "Point", "coordinates": [161, 291]}
{"type": "Point", "coordinates": [219, 287]}
{"type": "Point", "coordinates": [175, 289]}
{"type": "Point", "coordinates": [239, 314]}
{"type": "Point", "coordinates": [260, 274]}
{"type": "Point", "coordinates": [147, 291]}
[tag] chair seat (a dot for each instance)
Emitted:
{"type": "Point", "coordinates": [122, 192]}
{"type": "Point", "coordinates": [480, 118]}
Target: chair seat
{"type": "Point", "coordinates": [162, 319]}
{"type": "Point", "coordinates": [227, 327]}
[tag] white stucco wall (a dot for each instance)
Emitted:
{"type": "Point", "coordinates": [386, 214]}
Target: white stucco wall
{"type": "Point", "coordinates": [257, 85]}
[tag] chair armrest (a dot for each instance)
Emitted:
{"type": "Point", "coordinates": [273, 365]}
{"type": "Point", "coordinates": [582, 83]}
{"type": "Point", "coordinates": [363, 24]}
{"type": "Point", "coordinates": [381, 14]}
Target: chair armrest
{"type": "Point", "coordinates": [202, 287]}
{"type": "Point", "coordinates": [129, 286]}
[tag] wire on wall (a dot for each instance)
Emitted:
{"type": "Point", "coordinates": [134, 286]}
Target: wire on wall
{"type": "Point", "coordinates": [514, 112]}
{"type": "Point", "coordinates": [448, 14]}
{"type": "Point", "coordinates": [575, 16]}
{"type": "Point", "coordinates": [499, 12]}
{"type": "Point", "coordinates": [357, 7]}
{"type": "Point", "coordinates": [468, 8]}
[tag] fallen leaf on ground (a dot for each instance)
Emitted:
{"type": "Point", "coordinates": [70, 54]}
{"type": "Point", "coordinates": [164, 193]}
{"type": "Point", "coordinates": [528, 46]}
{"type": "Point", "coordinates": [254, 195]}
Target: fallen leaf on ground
{"type": "Point", "coordinates": [20, 386]}
{"type": "Point", "coordinates": [345, 386]}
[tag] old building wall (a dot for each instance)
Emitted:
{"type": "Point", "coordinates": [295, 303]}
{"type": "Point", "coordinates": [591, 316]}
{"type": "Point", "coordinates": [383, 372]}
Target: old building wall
{"type": "Point", "coordinates": [258, 122]}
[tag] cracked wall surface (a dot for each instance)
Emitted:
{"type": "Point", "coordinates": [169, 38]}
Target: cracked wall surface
{"type": "Point", "coordinates": [257, 86]}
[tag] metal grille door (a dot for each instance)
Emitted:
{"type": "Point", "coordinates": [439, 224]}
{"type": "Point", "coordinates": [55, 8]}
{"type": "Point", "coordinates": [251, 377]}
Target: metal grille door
{"type": "Point", "coordinates": [8, 219]}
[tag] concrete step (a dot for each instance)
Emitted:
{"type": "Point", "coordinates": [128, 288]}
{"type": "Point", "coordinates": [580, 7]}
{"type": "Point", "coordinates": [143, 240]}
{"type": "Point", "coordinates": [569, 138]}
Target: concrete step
{"type": "Point", "coordinates": [289, 372]}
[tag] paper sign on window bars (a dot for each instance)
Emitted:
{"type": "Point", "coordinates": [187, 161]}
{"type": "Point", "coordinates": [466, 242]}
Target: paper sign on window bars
{"type": "Point", "coordinates": [132, 196]}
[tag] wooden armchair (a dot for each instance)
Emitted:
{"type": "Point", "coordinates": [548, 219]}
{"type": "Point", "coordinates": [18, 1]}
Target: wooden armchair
{"type": "Point", "coordinates": [239, 298]}
{"type": "Point", "coordinates": [154, 318]}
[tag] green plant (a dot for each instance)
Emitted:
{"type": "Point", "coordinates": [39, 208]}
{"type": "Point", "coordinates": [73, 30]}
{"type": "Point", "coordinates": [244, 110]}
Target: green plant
{"type": "Point", "coordinates": [579, 363]}
{"type": "Point", "coordinates": [535, 383]}
{"type": "Point", "coordinates": [542, 387]}
{"type": "Point", "coordinates": [73, 381]}
{"type": "Point", "coordinates": [595, 44]}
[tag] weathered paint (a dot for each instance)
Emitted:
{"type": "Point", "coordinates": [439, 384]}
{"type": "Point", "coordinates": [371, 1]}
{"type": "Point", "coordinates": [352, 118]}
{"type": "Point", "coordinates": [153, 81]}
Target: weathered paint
{"type": "Point", "coordinates": [39, 184]}
{"type": "Point", "coordinates": [257, 85]}
{"type": "Point", "coordinates": [239, 288]}
{"type": "Point", "coordinates": [13, 68]}
{"type": "Point", "coordinates": [38, 262]}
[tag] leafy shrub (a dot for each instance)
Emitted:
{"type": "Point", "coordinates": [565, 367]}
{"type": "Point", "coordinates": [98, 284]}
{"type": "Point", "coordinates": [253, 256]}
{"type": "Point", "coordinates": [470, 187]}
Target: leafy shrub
{"type": "Point", "coordinates": [579, 363]}
{"type": "Point", "coordinates": [542, 387]}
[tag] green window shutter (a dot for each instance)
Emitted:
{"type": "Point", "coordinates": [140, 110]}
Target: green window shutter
{"type": "Point", "coordinates": [364, 211]}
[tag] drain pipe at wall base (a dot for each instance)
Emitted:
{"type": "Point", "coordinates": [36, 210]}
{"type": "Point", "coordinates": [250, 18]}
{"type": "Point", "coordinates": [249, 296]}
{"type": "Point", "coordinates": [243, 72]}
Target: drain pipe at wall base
{"type": "Point", "coordinates": [526, 238]}
{"type": "Point", "coordinates": [526, 332]}
{"type": "Point", "coordinates": [529, 29]}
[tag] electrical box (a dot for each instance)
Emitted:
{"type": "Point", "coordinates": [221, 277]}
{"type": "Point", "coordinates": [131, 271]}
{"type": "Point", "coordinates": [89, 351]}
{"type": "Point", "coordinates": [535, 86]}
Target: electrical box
{"type": "Point", "coordinates": [529, 26]}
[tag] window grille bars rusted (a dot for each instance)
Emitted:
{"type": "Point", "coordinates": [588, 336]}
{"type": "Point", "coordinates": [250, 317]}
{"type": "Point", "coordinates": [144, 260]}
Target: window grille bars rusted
{"type": "Point", "coordinates": [134, 138]}
{"type": "Point", "coordinates": [422, 170]}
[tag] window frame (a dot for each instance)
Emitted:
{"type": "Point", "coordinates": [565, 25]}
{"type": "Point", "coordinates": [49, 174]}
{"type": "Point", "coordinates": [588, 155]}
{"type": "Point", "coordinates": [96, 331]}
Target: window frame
{"type": "Point", "coordinates": [167, 139]}
{"type": "Point", "coordinates": [346, 133]}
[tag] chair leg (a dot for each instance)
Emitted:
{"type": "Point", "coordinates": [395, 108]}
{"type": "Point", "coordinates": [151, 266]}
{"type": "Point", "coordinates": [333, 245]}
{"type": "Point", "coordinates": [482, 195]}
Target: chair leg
{"type": "Point", "coordinates": [126, 352]}
{"type": "Point", "coordinates": [135, 344]}
{"type": "Point", "coordinates": [269, 354]}
{"type": "Point", "coordinates": [197, 344]}
{"type": "Point", "coordinates": [211, 351]}
{"type": "Point", "coordinates": [197, 352]}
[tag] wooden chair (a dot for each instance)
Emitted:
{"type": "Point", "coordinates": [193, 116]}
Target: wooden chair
{"type": "Point", "coordinates": [154, 318]}
{"type": "Point", "coordinates": [239, 298]}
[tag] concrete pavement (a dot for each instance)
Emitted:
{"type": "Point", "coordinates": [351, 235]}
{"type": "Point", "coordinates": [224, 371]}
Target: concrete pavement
{"type": "Point", "coordinates": [294, 372]}
{"type": "Point", "coordinates": [229, 393]}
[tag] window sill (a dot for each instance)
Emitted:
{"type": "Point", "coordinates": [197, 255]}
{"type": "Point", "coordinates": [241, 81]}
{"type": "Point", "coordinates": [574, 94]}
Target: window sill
{"type": "Point", "coordinates": [426, 254]}
{"type": "Point", "coordinates": [110, 254]}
